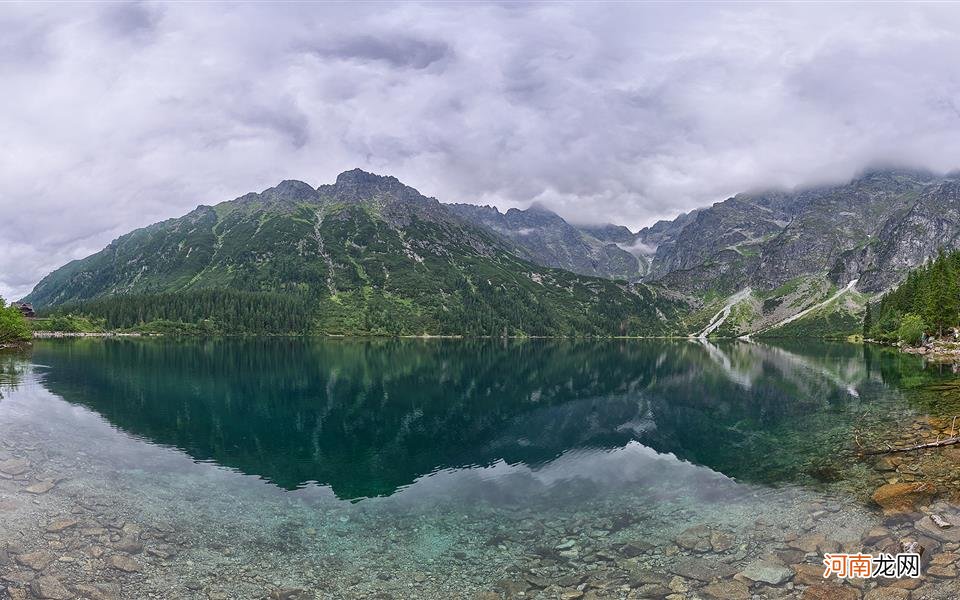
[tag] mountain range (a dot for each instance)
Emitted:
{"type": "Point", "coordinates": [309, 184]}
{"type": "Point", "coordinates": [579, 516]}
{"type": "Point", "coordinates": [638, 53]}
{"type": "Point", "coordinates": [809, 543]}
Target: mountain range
{"type": "Point", "coordinates": [374, 256]}
{"type": "Point", "coordinates": [377, 256]}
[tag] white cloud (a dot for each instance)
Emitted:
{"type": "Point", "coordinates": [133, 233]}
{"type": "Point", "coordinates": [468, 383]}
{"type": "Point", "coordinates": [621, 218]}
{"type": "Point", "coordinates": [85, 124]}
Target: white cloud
{"type": "Point", "coordinates": [116, 116]}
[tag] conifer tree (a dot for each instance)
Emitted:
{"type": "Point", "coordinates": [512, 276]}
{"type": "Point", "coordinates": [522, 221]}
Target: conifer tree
{"type": "Point", "coordinates": [940, 295]}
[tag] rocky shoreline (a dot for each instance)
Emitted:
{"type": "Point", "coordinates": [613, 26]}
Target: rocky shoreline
{"type": "Point", "coordinates": [59, 541]}
{"type": "Point", "coordinates": [82, 334]}
{"type": "Point", "coordinates": [15, 346]}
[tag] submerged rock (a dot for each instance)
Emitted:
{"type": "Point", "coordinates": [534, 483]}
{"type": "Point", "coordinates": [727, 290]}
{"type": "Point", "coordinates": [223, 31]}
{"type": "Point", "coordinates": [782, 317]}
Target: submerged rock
{"type": "Point", "coordinates": [829, 592]}
{"type": "Point", "coordinates": [700, 569]}
{"type": "Point", "coordinates": [123, 563]}
{"type": "Point", "coordinates": [41, 487]}
{"type": "Point", "coordinates": [14, 466]}
{"type": "Point", "coordinates": [50, 588]}
{"type": "Point", "coordinates": [727, 590]}
{"type": "Point", "coordinates": [100, 591]}
{"type": "Point", "coordinates": [129, 545]}
{"type": "Point", "coordinates": [887, 593]}
{"type": "Point", "coordinates": [695, 538]}
{"type": "Point", "coordinates": [60, 525]}
{"type": "Point", "coordinates": [721, 541]}
{"type": "Point", "coordinates": [37, 561]}
{"type": "Point", "coordinates": [926, 526]}
{"type": "Point", "coordinates": [767, 572]}
{"type": "Point", "coordinates": [810, 574]}
{"type": "Point", "coordinates": [289, 594]}
{"type": "Point", "coordinates": [904, 496]}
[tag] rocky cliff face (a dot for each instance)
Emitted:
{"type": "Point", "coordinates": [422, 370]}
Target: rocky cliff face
{"type": "Point", "coordinates": [910, 236]}
{"type": "Point", "coordinates": [841, 232]}
{"type": "Point", "coordinates": [545, 238]}
{"type": "Point", "coordinates": [794, 250]}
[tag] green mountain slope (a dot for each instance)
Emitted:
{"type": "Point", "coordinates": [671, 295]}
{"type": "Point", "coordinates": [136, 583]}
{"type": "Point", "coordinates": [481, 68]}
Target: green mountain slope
{"type": "Point", "coordinates": [370, 255]}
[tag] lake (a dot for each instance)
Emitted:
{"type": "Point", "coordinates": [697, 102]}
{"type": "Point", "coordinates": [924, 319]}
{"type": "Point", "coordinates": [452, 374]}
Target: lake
{"type": "Point", "coordinates": [402, 468]}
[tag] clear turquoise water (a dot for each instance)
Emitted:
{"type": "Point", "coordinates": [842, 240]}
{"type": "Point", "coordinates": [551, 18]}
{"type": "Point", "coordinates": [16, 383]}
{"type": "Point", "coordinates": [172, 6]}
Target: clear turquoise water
{"type": "Point", "coordinates": [435, 468]}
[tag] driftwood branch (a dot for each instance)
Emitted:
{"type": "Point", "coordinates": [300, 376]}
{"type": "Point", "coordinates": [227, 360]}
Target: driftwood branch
{"type": "Point", "coordinates": [937, 444]}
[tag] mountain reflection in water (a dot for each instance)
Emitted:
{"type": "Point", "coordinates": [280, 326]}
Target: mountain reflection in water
{"type": "Point", "coordinates": [368, 417]}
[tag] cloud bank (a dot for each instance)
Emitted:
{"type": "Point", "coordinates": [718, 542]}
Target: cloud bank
{"type": "Point", "coordinates": [115, 116]}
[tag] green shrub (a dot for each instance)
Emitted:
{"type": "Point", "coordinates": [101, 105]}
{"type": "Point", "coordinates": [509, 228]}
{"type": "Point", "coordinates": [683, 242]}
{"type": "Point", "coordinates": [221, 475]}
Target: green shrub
{"type": "Point", "coordinates": [13, 325]}
{"type": "Point", "coordinates": [911, 329]}
{"type": "Point", "coordinates": [70, 323]}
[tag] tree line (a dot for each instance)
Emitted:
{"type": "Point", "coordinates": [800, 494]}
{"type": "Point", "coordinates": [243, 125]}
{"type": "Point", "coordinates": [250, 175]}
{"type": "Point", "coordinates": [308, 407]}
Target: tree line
{"type": "Point", "coordinates": [928, 302]}
{"type": "Point", "coordinates": [195, 311]}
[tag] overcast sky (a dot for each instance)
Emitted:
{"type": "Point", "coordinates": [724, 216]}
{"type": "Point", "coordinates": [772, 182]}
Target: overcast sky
{"type": "Point", "coordinates": [114, 116]}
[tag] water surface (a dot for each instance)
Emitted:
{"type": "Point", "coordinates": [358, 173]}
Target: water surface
{"type": "Point", "coordinates": [445, 468]}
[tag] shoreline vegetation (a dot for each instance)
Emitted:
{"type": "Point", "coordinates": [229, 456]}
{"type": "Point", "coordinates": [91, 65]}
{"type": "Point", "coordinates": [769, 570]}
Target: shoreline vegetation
{"type": "Point", "coordinates": [921, 316]}
{"type": "Point", "coordinates": [14, 330]}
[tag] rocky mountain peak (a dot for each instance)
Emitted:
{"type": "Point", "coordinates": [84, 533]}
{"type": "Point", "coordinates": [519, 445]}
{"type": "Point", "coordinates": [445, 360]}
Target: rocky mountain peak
{"type": "Point", "coordinates": [361, 187]}
{"type": "Point", "coordinates": [357, 184]}
{"type": "Point", "coordinates": [539, 207]}
{"type": "Point", "coordinates": [361, 178]}
{"type": "Point", "coordinates": [290, 190]}
{"type": "Point", "coordinates": [608, 232]}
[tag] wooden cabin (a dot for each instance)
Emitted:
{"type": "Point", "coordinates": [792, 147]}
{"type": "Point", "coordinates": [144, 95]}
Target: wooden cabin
{"type": "Point", "coordinates": [26, 309]}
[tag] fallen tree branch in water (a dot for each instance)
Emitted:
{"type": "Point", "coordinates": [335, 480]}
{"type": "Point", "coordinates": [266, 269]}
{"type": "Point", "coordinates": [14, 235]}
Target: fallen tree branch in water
{"type": "Point", "coordinates": [936, 444]}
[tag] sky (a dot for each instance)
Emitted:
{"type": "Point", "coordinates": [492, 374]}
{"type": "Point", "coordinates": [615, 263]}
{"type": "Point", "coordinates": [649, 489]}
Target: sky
{"type": "Point", "coordinates": [114, 116]}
